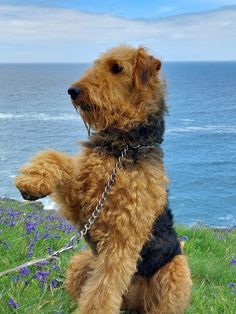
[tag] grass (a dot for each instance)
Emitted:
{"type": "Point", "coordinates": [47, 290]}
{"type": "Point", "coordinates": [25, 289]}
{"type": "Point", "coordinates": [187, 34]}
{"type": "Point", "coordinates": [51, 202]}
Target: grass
{"type": "Point", "coordinates": [27, 231]}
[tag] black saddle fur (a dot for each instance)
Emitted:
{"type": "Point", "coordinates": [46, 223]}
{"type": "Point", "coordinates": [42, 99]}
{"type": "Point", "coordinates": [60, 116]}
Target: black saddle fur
{"type": "Point", "coordinates": [161, 248]}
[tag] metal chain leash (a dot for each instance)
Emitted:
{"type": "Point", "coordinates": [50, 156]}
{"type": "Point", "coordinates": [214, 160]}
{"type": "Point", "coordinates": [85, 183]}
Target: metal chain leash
{"type": "Point", "coordinates": [100, 204]}
{"type": "Point", "coordinates": [99, 207]}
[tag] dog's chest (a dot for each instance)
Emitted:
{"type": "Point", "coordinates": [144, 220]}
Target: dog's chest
{"type": "Point", "coordinates": [138, 190]}
{"type": "Point", "coordinates": [90, 180]}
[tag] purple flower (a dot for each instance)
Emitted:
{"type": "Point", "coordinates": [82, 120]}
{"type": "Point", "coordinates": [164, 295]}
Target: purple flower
{"type": "Point", "coordinates": [233, 262]}
{"type": "Point", "coordinates": [54, 283]}
{"type": "Point", "coordinates": [50, 250]}
{"type": "Point", "coordinates": [56, 236]}
{"type": "Point", "coordinates": [16, 278]}
{"type": "Point", "coordinates": [41, 276]}
{"type": "Point", "coordinates": [31, 244]}
{"type": "Point", "coordinates": [46, 235]}
{"type": "Point", "coordinates": [184, 238]}
{"type": "Point", "coordinates": [30, 226]}
{"type": "Point", "coordinates": [24, 271]}
{"type": "Point", "coordinates": [30, 254]}
{"type": "Point", "coordinates": [37, 235]}
{"type": "Point", "coordinates": [56, 267]}
{"type": "Point", "coordinates": [231, 284]}
{"type": "Point", "coordinates": [12, 304]}
{"type": "Point", "coordinates": [13, 223]}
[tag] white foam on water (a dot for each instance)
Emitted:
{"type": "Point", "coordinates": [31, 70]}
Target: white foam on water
{"type": "Point", "coordinates": [227, 217]}
{"type": "Point", "coordinates": [48, 203]}
{"type": "Point", "coordinates": [39, 117]}
{"type": "Point", "coordinates": [187, 120]}
{"type": "Point", "coordinates": [231, 129]}
{"type": "Point", "coordinates": [6, 115]}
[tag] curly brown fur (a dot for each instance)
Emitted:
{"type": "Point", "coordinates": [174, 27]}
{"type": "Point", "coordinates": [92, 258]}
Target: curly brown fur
{"type": "Point", "coordinates": [122, 98]}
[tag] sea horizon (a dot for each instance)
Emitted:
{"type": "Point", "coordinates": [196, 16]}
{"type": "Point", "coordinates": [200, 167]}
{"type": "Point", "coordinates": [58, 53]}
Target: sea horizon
{"type": "Point", "coordinates": [88, 63]}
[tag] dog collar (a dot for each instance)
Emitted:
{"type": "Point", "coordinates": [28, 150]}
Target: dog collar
{"type": "Point", "coordinates": [112, 140]}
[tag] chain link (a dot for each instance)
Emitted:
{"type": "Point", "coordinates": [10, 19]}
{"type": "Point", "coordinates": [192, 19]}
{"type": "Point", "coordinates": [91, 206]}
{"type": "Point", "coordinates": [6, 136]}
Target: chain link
{"type": "Point", "coordinates": [100, 205]}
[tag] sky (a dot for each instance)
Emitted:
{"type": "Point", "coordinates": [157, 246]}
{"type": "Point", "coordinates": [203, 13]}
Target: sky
{"type": "Point", "coordinates": [79, 30]}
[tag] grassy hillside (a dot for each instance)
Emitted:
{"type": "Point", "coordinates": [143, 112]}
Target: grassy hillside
{"type": "Point", "coordinates": [27, 231]}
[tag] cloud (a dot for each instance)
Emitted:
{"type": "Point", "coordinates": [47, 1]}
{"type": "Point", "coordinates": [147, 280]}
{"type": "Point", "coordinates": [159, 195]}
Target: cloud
{"type": "Point", "coordinates": [37, 34]}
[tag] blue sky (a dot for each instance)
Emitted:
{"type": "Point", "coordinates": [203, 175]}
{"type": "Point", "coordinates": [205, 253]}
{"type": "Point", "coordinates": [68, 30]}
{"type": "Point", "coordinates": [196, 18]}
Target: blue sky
{"type": "Point", "coordinates": [131, 8]}
{"type": "Point", "coordinates": [77, 31]}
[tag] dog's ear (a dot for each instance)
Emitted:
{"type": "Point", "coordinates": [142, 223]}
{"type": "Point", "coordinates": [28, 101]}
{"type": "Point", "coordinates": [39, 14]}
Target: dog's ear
{"type": "Point", "coordinates": [145, 67]}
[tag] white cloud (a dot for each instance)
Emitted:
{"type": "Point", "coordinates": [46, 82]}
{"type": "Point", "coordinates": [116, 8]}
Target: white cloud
{"type": "Point", "coordinates": [31, 34]}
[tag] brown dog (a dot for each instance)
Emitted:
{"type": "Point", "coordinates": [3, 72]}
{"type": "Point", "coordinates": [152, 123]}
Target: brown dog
{"type": "Point", "coordinates": [135, 262]}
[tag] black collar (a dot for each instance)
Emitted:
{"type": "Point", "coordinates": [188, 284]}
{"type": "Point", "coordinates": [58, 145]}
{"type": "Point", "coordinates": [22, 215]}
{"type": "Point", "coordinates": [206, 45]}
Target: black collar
{"type": "Point", "coordinates": [112, 140]}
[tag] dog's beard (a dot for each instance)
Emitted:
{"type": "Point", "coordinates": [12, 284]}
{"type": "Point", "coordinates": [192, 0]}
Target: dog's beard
{"type": "Point", "coordinates": [86, 107]}
{"type": "Point", "coordinates": [88, 127]}
{"type": "Point", "coordinates": [87, 113]}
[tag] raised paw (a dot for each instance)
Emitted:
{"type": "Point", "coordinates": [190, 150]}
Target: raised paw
{"type": "Point", "coordinates": [32, 186]}
{"type": "Point", "coordinates": [29, 197]}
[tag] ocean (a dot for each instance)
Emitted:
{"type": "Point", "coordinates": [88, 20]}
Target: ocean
{"type": "Point", "coordinates": [200, 138]}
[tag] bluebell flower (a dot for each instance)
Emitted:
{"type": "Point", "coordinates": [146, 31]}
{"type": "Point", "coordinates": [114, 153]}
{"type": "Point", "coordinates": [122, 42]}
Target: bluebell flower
{"type": "Point", "coordinates": [16, 278]}
{"type": "Point", "coordinates": [54, 283]}
{"type": "Point", "coordinates": [231, 284]}
{"type": "Point", "coordinates": [12, 304]}
{"type": "Point", "coordinates": [31, 226]}
{"type": "Point", "coordinates": [30, 254]}
{"type": "Point", "coordinates": [37, 235]}
{"type": "Point", "coordinates": [13, 222]}
{"type": "Point", "coordinates": [41, 276]}
{"type": "Point", "coordinates": [25, 271]}
{"type": "Point", "coordinates": [56, 267]}
{"type": "Point", "coordinates": [46, 235]}
{"type": "Point", "coordinates": [50, 250]}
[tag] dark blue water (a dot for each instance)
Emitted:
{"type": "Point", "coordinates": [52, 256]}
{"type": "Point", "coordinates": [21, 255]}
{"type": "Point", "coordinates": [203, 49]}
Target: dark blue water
{"type": "Point", "coordinates": [200, 145]}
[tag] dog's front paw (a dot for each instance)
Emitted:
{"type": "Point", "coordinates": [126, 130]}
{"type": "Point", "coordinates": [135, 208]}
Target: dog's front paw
{"type": "Point", "coordinates": [32, 186]}
{"type": "Point", "coordinates": [29, 197]}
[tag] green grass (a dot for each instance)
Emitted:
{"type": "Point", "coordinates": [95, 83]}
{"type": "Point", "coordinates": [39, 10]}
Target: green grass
{"type": "Point", "coordinates": [209, 252]}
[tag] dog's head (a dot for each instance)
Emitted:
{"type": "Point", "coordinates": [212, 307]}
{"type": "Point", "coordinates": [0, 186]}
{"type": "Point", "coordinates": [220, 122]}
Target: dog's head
{"type": "Point", "coordinates": [120, 90]}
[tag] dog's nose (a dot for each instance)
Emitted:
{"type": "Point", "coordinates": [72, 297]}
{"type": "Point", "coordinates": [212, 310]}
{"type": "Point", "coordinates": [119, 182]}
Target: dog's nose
{"type": "Point", "coordinates": [74, 92]}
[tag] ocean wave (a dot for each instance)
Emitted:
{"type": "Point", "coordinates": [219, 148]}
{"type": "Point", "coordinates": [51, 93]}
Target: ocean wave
{"type": "Point", "coordinates": [231, 129]}
{"type": "Point", "coordinates": [228, 217]}
{"type": "Point", "coordinates": [34, 116]}
{"type": "Point", "coordinates": [48, 203]}
{"type": "Point", "coordinates": [187, 120]}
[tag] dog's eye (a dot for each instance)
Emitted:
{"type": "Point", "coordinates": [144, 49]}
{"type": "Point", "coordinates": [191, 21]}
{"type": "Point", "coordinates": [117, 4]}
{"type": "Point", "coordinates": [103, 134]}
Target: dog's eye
{"type": "Point", "coordinates": [116, 68]}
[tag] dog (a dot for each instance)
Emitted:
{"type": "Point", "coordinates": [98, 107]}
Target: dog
{"type": "Point", "coordinates": [134, 261]}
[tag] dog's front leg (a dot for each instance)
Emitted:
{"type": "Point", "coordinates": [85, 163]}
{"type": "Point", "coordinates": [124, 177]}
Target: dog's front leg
{"type": "Point", "coordinates": [109, 279]}
{"type": "Point", "coordinates": [46, 171]}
